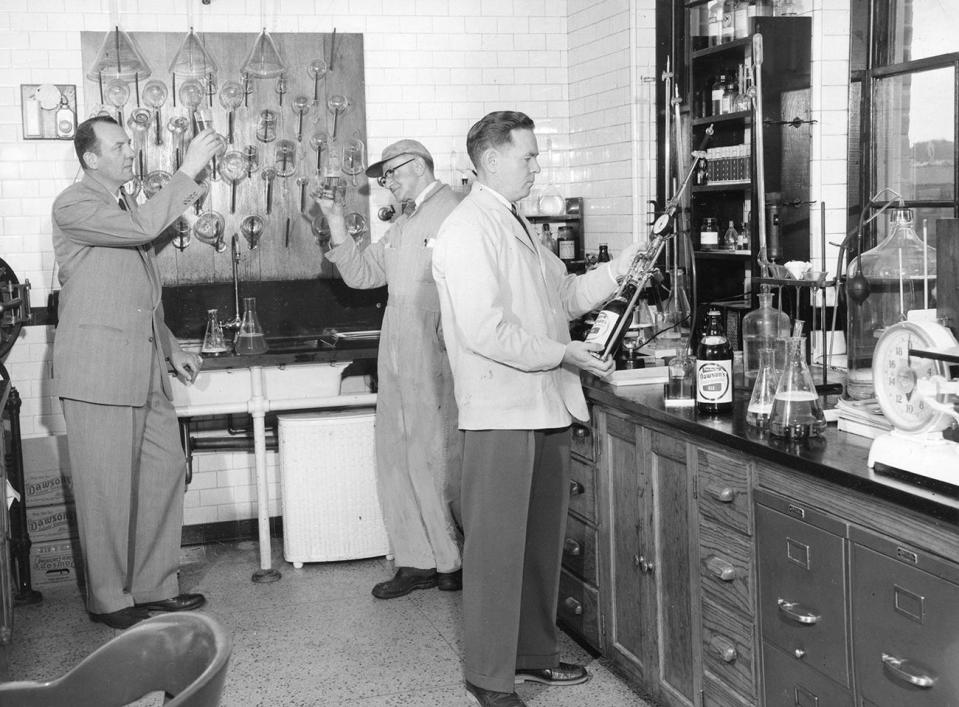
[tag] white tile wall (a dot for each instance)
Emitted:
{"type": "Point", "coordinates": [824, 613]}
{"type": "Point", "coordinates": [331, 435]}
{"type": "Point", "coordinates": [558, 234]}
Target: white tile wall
{"type": "Point", "coordinates": [582, 69]}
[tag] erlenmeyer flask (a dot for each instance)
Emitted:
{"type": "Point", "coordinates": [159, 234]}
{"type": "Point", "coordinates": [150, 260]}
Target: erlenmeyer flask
{"type": "Point", "coordinates": [676, 310]}
{"type": "Point", "coordinates": [249, 339]}
{"type": "Point", "coordinates": [764, 391]}
{"type": "Point", "coordinates": [796, 412]}
{"type": "Point", "coordinates": [213, 341]}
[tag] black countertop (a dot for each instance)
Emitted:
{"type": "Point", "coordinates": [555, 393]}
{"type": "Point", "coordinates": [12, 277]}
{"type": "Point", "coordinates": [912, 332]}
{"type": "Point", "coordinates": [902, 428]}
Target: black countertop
{"type": "Point", "coordinates": [307, 350]}
{"type": "Point", "coordinates": [838, 457]}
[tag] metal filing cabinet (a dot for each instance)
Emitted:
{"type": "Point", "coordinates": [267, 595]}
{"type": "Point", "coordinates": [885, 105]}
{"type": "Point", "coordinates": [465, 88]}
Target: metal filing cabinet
{"type": "Point", "coordinates": [578, 608]}
{"type": "Point", "coordinates": [802, 603]}
{"type": "Point", "coordinates": [905, 612]}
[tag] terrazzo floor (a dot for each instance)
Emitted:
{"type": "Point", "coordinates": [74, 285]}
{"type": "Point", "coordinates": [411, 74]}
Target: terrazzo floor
{"type": "Point", "coordinates": [315, 638]}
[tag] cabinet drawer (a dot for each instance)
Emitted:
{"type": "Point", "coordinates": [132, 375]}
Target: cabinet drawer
{"type": "Point", "coordinates": [789, 683]}
{"type": "Point", "coordinates": [715, 694]}
{"type": "Point", "coordinates": [725, 566]}
{"type": "Point", "coordinates": [722, 486]}
{"type": "Point", "coordinates": [579, 550]}
{"type": "Point", "coordinates": [578, 608]}
{"type": "Point", "coordinates": [728, 649]}
{"type": "Point", "coordinates": [802, 591]}
{"type": "Point", "coordinates": [582, 490]}
{"type": "Point", "coordinates": [905, 624]}
{"type": "Point", "coordinates": [581, 441]}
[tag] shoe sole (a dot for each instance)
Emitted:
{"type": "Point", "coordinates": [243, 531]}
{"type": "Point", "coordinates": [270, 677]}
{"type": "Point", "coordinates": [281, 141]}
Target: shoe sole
{"type": "Point", "coordinates": [414, 587]}
{"type": "Point", "coordinates": [520, 679]}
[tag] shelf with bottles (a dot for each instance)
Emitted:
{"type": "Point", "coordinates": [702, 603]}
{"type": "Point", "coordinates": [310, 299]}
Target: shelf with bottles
{"type": "Point", "coordinates": [563, 233]}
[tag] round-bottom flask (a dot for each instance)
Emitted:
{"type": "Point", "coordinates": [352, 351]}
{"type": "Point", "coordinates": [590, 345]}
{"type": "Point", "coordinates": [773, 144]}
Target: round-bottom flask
{"type": "Point", "coordinates": [796, 413]}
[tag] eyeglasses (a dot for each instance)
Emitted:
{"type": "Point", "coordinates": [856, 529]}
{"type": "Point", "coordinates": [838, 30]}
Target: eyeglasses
{"type": "Point", "coordinates": [388, 174]}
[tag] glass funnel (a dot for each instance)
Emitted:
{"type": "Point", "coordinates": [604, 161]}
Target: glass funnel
{"type": "Point", "coordinates": [901, 272]}
{"type": "Point", "coordinates": [192, 60]}
{"type": "Point", "coordinates": [213, 342]}
{"type": "Point", "coordinates": [796, 413]}
{"type": "Point", "coordinates": [249, 339]}
{"type": "Point", "coordinates": [119, 57]}
{"type": "Point", "coordinates": [264, 60]}
{"type": "Point", "coordinates": [764, 390]}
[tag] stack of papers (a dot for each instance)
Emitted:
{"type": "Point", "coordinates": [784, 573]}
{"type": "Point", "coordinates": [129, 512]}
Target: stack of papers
{"type": "Point", "coordinates": [638, 376]}
{"type": "Point", "coordinates": [862, 417]}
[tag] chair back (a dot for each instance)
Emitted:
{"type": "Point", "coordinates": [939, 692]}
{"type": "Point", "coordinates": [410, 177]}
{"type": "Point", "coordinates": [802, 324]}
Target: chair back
{"type": "Point", "coordinates": [184, 655]}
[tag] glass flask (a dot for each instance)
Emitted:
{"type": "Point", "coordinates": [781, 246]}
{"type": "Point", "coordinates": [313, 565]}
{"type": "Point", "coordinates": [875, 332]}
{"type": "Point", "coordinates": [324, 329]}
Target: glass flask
{"type": "Point", "coordinates": [676, 310]}
{"type": "Point", "coordinates": [762, 328]}
{"type": "Point", "coordinates": [213, 342]}
{"type": "Point", "coordinates": [797, 413]}
{"type": "Point", "coordinates": [901, 273]}
{"type": "Point", "coordinates": [249, 339]}
{"type": "Point", "coordinates": [764, 391]}
{"type": "Point", "coordinates": [680, 388]}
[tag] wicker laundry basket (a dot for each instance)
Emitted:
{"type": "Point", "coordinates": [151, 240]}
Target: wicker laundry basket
{"type": "Point", "coordinates": [328, 485]}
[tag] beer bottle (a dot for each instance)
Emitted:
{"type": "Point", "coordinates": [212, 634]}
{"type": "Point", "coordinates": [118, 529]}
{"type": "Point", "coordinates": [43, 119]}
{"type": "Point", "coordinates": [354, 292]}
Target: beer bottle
{"type": "Point", "coordinates": [613, 320]}
{"type": "Point", "coordinates": [714, 368]}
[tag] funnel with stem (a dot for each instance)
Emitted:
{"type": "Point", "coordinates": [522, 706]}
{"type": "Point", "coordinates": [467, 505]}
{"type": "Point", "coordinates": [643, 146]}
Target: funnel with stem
{"type": "Point", "coordinates": [264, 60]}
{"type": "Point", "coordinates": [119, 57]}
{"type": "Point", "coordinates": [193, 61]}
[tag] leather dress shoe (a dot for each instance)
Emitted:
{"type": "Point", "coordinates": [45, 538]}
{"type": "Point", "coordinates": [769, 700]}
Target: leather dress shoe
{"type": "Point", "coordinates": [181, 602]}
{"type": "Point", "coordinates": [491, 698]}
{"type": "Point", "coordinates": [450, 581]}
{"type": "Point", "coordinates": [562, 674]}
{"type": "Point", "coordinates": [405, 581]}
{"type": "Point", "coordinates": [123, 618]}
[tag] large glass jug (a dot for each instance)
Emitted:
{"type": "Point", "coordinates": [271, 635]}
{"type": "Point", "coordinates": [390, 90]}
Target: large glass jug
{"type": "Point", "coordinates": [764, 328]}
{"type": "Point", "coordinates": [901, 273]}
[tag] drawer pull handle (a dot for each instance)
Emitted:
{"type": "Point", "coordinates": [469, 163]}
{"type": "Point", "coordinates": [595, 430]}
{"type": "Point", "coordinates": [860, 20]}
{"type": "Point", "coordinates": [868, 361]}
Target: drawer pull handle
{"type": "Point", "coordinates": [576, 488]}
{"type": "Point", "coordinates": [723, 495]}
{"type": "Point", "coordinates": [795, 611]}
{"type": "Point", "coordinates": [645, 566]}
{"type": "Point", "coordinates": [571, 548]}
{"type": "Point", "coordinates": [580, 431]}
{"type": "Point", "coordinates": [724, 649]}
{"type": "Point", "coordinates": [720, 568]}
{"type": "Point", "coordinates": [907, 671]}
{"type": "Point", "coordinates": [573, 606]}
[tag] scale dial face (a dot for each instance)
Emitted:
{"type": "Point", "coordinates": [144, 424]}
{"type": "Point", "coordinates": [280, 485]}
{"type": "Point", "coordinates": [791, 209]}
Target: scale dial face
{"type": "Point", "coordinates": [895, 374]}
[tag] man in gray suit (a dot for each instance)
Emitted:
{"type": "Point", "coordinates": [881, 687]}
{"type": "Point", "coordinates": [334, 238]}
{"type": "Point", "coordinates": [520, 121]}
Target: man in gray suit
{"type": "Point", "coordinates": [110, 359]}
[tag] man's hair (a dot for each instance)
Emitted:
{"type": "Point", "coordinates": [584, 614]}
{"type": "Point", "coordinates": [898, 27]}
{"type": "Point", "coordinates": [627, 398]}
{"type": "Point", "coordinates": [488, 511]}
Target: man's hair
{"type": "Point", "coordinates": [86, 138]}
{"type": "Point", "coordinates": [494, 130]}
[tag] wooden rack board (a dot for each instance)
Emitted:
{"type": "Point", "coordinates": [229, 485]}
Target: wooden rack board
{"type": "Point", "coordinates": [273, 259]}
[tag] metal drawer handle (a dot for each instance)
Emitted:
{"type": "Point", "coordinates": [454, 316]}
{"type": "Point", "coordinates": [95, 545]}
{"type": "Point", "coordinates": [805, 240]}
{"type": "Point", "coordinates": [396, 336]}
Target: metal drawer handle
{"type": "Point", "coordinates": [908, 671]}
{"type": "Point", "coordinates": [720, 568]}
{"type": "Point", "coordinates": [573, 606]}
{"type": "Point", "coordinates": [724, 649]}
{"type": "Point", "coordinates": [580, 431]}
{"type": "Point", "coordinates": [797, 612]}
{"type": "Point", "coordinates": [723, 495]}
{"type": "Point", "coordinates": [571, 547]}
{"type": "Point", "coordinates": [576, 488]}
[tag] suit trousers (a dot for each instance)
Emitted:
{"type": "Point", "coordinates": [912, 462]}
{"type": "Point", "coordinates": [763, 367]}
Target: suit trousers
{"type": "Point", "coordinates": [129, 474]}
{"type": "Point", "coordinates": [515, 495]}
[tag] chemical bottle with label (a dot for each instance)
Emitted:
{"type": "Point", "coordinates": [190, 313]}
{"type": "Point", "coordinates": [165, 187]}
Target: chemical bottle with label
{"type": "Point", "coordinates": [603, 256]}
{"type": "Point", "coordinates": [613, 320]}
{"type": "Point", "coordinates": [566, 245]}
{"type": "Point", "coordinates": [547, 239]}
{"type": "Point", "coordinates": [714, 368]}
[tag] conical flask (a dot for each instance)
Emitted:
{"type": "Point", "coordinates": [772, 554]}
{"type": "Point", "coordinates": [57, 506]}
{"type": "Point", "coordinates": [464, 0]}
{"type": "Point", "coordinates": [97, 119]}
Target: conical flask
{"type": "Point", "coordinates": [264, 60]}
{"type": "Point", "coordinates": [249, 339]}
{"type": "Point", "coordinates": [796, 412]}
{"type": "Point", "coordinates": [213, 342]}
{"type": "Point", "coordinates": [193, 61]}
{"type": "Point", "coordinates": [676, 310]}
{"type": "Point", "coordinates": [119, 57]}
{"type": "Point", "coordinates": [764, 391]}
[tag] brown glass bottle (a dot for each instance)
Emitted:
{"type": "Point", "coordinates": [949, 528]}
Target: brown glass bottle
{"type": "Point", "coordinates": [714, 368]}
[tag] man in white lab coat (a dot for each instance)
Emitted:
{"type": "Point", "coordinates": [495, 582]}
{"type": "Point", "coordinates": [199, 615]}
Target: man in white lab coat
{"type": "Point", "coordinates": [418, 445]}
{"type": "Point", "coordinates": [507, 302]}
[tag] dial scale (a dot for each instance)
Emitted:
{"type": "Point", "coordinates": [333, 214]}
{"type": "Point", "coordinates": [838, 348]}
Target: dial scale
{"type": "Point", "coordinates": [918, 398]}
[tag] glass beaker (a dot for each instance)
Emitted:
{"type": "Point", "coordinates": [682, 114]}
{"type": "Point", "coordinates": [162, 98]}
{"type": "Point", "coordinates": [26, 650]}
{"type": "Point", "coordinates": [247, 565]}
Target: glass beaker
{"type": "Point", "coordinates": [797, 413]}
{"type": "Point", "coordinates": [680, 388]}
{"type": "Point", "coordinates": [764, 391]}
{"type": "Point", "coordinates": [213, 342]}
{"type": "Point", "coordinates": [249, 339]}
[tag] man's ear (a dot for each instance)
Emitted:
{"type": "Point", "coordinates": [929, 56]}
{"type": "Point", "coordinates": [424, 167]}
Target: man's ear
{"type": "Point", "coordinates": [90, 159]}
{"type": "Point", "coordinates": [490, 159]}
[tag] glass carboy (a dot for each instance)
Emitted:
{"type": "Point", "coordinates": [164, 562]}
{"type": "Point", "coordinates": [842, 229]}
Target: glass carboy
{"type": "Point", "coordinates": [762, 328]}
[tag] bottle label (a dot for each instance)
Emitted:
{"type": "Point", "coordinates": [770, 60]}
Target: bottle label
{"type": "Point", "coordinates": [567, 249]}
{"type": "Point", "coordinates": [603, 328]}
{"type": "Point", "coordinates": [714, 381]}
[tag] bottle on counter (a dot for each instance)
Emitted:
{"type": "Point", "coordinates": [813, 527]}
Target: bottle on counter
{"type": "Point", "coordinates": [764, 328]}
{"type": "Point", "coordinates": [680, 387]}
{"type": "Point", "coordinates": [714, 368]}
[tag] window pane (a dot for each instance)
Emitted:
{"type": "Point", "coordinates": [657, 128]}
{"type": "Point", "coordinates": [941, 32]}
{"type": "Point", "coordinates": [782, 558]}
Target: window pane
{"type": "Point", "coordinates": [914, 119]}
{"type": "Point", "coordinates": [916, 29]}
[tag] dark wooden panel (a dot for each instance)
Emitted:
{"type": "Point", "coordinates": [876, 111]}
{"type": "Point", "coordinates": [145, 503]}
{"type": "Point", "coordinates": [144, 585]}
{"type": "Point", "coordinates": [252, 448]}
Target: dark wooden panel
{"type": "Point", "coordinates": [947, 271]}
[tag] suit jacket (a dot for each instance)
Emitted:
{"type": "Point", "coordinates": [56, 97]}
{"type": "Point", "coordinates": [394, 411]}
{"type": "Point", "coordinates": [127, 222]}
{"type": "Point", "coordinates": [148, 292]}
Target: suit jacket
{"type": "Point", "coordinates": [111, 318]}
{"type": "Point", "coordinates": [506, 303]}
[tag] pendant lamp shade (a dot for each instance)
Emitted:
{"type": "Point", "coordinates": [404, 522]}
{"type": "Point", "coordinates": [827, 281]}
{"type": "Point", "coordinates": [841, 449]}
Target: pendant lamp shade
{"type": "Point", "coordinates": [264, 60]}
{"type": "Point", "coordinates": [119, 57]}
{"type": "Point", "coordinates": [192, 60]}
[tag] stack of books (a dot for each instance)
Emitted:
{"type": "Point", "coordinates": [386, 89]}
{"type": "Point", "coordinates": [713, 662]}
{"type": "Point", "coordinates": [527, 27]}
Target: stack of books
{"type": "Point", "coordinates": [862, 417]}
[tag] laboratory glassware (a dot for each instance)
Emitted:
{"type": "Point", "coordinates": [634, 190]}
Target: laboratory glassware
{"type": "Point", "coordinates": [249, 339]}
{"type": "Point", "coordinates": [764, 391]}
{"type": "Point", "coordinates": [797, 413]}
{"type": "Point", "coordinates": [213, 342]}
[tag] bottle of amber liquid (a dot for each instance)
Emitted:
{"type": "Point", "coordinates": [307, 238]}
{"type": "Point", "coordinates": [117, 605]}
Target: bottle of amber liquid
{"type": "Point", "coordinates": [714, 368]}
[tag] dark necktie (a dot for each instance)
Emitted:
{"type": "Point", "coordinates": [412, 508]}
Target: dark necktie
{"type": "Point", "coordinates": [121, 201]}
{"type": "Point", "coordinates": [409, 207]}
{"type": "Point", "coordinates": [521, 223]}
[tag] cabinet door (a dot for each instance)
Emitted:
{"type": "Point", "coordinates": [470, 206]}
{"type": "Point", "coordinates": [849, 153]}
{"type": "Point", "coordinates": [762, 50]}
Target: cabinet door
{"type": "Point", "coordinates": [629, 591]}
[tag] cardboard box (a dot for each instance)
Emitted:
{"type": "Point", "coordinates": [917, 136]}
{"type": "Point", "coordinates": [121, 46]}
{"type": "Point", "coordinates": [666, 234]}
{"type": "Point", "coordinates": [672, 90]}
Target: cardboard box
{"type": "Point", "coordinates": [55, 562]}
{"type": "Point", "coordinates": [47, 487]}
{"type": "Point", "coordinates": [46, 471]}
{"type": "Point", "coordinates": [55, 522]}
